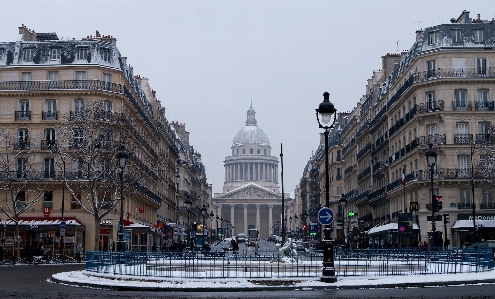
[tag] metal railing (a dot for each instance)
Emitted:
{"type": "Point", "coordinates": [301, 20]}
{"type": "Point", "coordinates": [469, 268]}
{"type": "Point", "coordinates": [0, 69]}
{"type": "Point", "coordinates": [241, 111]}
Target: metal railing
{"type": "Point", "coordinates": [355, 262]}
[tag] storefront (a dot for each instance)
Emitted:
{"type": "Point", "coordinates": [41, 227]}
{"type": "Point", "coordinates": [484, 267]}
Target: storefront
{"type": "Point", "coordinates": [387, 236]}
{"type": "Point", "coordinates": [463, 234]}
{"type": "Point", "coordinates": [142, 237]}
{"type": "Point", "coordinates": [37, 233]}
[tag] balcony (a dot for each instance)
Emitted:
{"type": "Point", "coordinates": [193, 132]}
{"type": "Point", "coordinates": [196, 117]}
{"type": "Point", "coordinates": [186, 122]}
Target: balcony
{"type": "Point", "coordinates": [48, 144]}
{"type": "Point", "coordinates": [463, 138]}
{"type": "Point", "coordinates": [485, 139]}
{"type": "Point", "coordinates": [364, 173]}
{"type": "Point", "coordinates": [377, 194]}
{"type": "Point", "coordinates": [104, 115]}
{"type": "Point", "coordinates": [464, 205]}
{"type": "Point", "coordinates": [363, 151]}
{"type": "Point", "coordinates": [433, 106]}
{"type": "Point", "coordinates": [462, 106]}
{"type": "Point", "coordinates": [484, 106]}
{"type": "Point", "coordinates": [23, 115]}
{"type": "Point", "coordinates": [49, 115]}
{"type": "Point", "coordinates": [21, 145]}
{"type": "Point", "coordinates": [431, 139]}
{"type": "Point", "coordinates": [487, 205]}
{"type": "Point", "coordinates": [62, 85]}
{"type": "Point", "coordinates": [349, 169]}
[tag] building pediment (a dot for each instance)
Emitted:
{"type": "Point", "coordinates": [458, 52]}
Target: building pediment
{"type": "Point", "coordinates": [250, 191]}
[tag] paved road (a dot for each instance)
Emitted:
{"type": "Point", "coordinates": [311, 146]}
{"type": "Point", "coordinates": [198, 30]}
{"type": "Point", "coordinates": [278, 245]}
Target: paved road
{"type": "Point", "coordinates": [31, 282]}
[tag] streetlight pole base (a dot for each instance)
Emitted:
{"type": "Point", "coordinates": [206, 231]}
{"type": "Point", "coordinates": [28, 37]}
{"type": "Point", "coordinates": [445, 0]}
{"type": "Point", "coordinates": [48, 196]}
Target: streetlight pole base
{"type": "Point", "coordinates": [328, 271]}
{"type": "Point", "coordinates": [121, 245]}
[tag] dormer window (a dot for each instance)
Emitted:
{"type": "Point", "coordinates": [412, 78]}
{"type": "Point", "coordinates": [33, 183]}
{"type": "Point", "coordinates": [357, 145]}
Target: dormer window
{"type": "Point", "coordinates": [82, 53]}
{"type": "Point", "coordinates": [1, 53]}
{"type": "Point", "coordinates": [105, 55]}
{"type": "Point", "coordinates": [432, 38]}
{"type": "Point", "coordinates": [55, 54]}
{"type": "Point", "coordinates": [28, 54]}
{"type": "Point", "coordinates": [478, 35]}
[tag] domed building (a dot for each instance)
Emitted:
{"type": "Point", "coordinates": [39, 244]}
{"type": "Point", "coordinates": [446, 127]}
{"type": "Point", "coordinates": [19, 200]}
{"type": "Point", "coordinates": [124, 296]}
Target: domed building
{"type": "Point", "coordinates": [251, 195]}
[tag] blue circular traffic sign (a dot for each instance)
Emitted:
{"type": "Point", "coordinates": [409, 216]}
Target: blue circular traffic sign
{"type": "Point", "coordinates": [62, 224]}
{"type": "Point", "coordinates": [325, 216]}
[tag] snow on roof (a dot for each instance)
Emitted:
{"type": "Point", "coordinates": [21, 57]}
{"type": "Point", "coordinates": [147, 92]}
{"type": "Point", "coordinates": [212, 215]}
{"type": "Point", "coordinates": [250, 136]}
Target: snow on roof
{"type": "Point", "coordinates": [388, 226]}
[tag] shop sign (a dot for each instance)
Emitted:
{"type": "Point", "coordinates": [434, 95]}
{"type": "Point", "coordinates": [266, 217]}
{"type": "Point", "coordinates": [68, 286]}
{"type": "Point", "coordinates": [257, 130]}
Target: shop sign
{"type": "Point", "coordinates": [141, 209]}
{"type": "Point", "coordinates": [46, 211]}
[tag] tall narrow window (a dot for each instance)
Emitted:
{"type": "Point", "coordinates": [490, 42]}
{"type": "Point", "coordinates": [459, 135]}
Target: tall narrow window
{"type": "Point", "coordinates": [78, 108]}
{"type": "Point", "coordinates": [81, 79]}
{"type": "Point", "coordinates": [82, 53]}
{"type": "Point", "coordinates": [107, 79]}
{"type": "Point", "coordinates": [462, 136]}
{"type": "Point", "coordinates": [430, 66]}
{"type": "Point", "coordinates": [26, 80]}
{"type": "Point", "coordinates": [432, 38]}
{"type": "Point", "coordinates": [459, 65]}
{"type": "Point", "coordinates": [53, 78]}
{"type": "Point", "coordinates": [483, 99]}
{"type": "Point", "coordinates": [78, 138]}
{"type": "Point", "coordinates": [465, 197]}
{"type": "Point", "coordinates": [456, 36]}
{"type": "Point", "coordinates": [49, 168]}
{"type": "Point", "coordinates": [484, 133]}
{"type": "Point", "coordinates": [478, 35]}
{"type": "Point", "coordinates": [22, 139]}
{"type": "Point", "coordinates": [461, 99]}
{"type": "Point", "coordinates": [107, 108]}
{"type": "Point", "coordinates": [105, 169]}
{"type": "Point", "coordinates": [49, 139]}
{"type": "Point", "coordinates": [432, 134]}
{"type": "Point", "coordinates": [481, 66]}
{"type": "Point", "coordinates": [463, 164]}
{"type": "Point", "coordinates": [21, 167]}
{"type": "Point", "coordinates": [431, 101]}
{"type": "Point", "coordinates": [487, 198]}
{"type": "Point", "coordinates": [50, 112]}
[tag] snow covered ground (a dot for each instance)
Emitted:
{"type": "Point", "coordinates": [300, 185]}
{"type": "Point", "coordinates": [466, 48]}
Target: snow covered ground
{"type": "Point", "coordinates": [91, 279]}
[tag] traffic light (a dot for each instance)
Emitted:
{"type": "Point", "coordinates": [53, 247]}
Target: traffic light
{"type": "Point", "coordinates": [351, 214]}
{"type": "Point", "coordinates": [195, 226]}
{"type": "Point", "coordinates": [438, 203]}
{"type": "Point", "coordinates": [445, 218]}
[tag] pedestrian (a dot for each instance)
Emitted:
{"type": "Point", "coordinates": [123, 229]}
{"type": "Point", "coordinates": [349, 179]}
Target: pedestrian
{"type": "Point", "coordinates": [425, 245]}
{"type": "Point", "coordinates": [256, 248]}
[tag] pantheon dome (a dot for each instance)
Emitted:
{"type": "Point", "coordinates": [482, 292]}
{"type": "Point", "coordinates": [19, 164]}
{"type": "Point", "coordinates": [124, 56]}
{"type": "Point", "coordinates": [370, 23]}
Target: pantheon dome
{"type": "Point", "coordinates": [251, 133]}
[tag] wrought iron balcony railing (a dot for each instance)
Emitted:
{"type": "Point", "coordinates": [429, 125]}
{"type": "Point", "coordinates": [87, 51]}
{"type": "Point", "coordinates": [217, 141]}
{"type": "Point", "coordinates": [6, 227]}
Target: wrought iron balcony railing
{"type": "Point", "coordinates": [49, 115]}
{"type": "Point", "coordinates": [23, 115]}
{"type": "Point", "coordinates": [65, 84]}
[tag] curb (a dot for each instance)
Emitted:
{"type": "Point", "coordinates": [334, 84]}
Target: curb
{"type": "Point", "coordinates": [282, 286]}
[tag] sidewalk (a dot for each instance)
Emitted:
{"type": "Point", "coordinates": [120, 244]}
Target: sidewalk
{"type": "Point", "coordinates": [136, 283]}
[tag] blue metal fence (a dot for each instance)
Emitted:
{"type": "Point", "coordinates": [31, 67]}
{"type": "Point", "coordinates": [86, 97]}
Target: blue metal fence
{"type": "Point", "coordinates": [363, 262]}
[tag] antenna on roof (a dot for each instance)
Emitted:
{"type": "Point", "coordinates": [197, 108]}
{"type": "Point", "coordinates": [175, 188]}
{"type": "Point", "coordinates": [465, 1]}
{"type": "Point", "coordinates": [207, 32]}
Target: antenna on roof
{"type": "Point", "coordinates": [397, 46]}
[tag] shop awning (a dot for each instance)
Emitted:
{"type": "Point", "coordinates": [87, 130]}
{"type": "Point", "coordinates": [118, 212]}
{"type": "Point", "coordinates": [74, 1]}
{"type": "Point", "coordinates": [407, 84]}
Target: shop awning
{"type": "Point", "coordinates": [387, 227]}
{"type": "Point", "coordinates": [459, 224]}
{"type": "Point", "coordinates": [138, 227]}
{"type": "Point", "coordinates": [45, 223]}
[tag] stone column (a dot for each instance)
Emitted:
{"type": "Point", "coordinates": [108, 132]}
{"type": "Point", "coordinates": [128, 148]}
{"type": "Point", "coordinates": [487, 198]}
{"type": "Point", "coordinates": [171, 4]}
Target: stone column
{"type": "Point", "coordinates": [258, 223]}
{"type": "Point", "coordinates": [232, 220]}
{"type": "Point", "coordinates": [275, 177]}
{"type": "Point", "coordinates": [219, 211]}
{"type": "Point", "coordinates": [244, 206]}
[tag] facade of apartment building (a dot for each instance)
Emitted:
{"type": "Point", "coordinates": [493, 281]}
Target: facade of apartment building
{"type": "Point", "coordinates": [440, 92]}
{"type": "Point", "coordinates": [43, 81]}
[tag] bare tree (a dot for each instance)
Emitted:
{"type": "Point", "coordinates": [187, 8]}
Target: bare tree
{"type": "Point", "coordinates": [89, 139]}
{"type": "Point", "coordinates": [21, 178]}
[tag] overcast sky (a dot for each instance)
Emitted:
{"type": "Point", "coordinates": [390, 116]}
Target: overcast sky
{"type": "Point", "coordinates": [208, 59]}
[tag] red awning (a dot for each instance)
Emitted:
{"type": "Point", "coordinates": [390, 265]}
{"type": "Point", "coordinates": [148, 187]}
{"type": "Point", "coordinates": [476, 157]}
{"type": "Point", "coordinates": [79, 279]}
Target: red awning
{"type": "Point", "coordinates": [45, 221]}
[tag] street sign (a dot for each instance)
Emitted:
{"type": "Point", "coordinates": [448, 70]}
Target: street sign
{"type": "Point", "coordinates": [192, 234]}
{"type": "Point", "coordinates": [62, 232]}
{"type": "Point", "coordinates": [220, 231]}
{"type": "Point", "coordinates": [325, 216]}
{"type": "Point", "coordinates": [313, 227]}
{"type": "Point", "coordinates": [62, 224]}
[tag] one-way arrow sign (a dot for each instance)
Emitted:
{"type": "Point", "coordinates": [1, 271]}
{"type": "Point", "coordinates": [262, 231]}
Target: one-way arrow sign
{"type": "Point", "coordinates": [325, 216]}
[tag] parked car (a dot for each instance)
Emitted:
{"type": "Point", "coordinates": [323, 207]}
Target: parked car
{"type": "Point", "coordinates": [272, 238]}
{"type": "Point", "coordinates": [300, 246]}
{"type": "Point", "coordinates": [225, 244]}
{"type": "Point", "coordinates": [241, 238]}
{"type": "Point", "coordinates": [485, 244]}
{"type": "Point", "coordinates": [217, 250]}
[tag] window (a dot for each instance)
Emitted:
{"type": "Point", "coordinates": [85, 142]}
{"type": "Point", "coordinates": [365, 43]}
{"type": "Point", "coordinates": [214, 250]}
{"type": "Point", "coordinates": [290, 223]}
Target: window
{"type": "Point", "coordinates": [339, 173]}
{"type": "Point", "coordinates": [80, 79]}
{"type": "Point", "coordinates": [481, 66]}
{"type": "Point", "coordinates": [21, 167]}
{"type": "Point", "coordinates": [432, 134]}
{"type": "Point", "coordinates": [258, 151]}
{"type": "Point", "coordinates": [107, 110]}
{"type": "Point", "coordinates": [483, 133]}
{"type": "Point", "coordinates": [456, 35]}
{"type": "Point", "coordinates": [430, 66]}
{"type": "Point", "coordinates": [459, 65]}
{"type": "Point", "coordinates": [483, 99]}
{"type": "Point", "coordinates": [78, 105]}
{"type": "Point", "coordinates": [107, 79]}
{"type": "Point", "coordinates": [53, 78]}
{"type": "Point", "coordinates": [339, 190]}
{"type": "Point", "coordinates": [21, 195]}
{"type": "Point", "coordinates": [106, 140]}
{"type": "Point", "coordinates": [462, 136]}
{"type": "Point", "coordinates": [465, 198]}
{"type": "Point", "coordinates": [461, 99]}
{"type": "Point", "coordinates": [22, 139]}
{"type": "Point", "coordinates": [26, 80]}
{"type": "Point", "coordinates": [432, 38]}
{"type": "Point", "coordinates": [78, 138]}
{"type": "Point", "coordinates": [105, 55]}
{"type": "Point", "coordinates": [251, 151]}
{"type": "Point", "coordinates": [487, 198]}
{"type": "Point", "coordinates": [76, 200]}
{"type": "Point", "coordinates": [50, 112]}
{"type": "Point", "coordinates": [339, 155]}
{"type": "Point", "coordinates": [431, 101]}
{"type": "Point", "coordinates": [82, 53]}
{"type": "Point", "coordinates": [478, 35]}
{"type": "Point", "coordinates": [243, 151]}
{"type": "Point", "coordinates": [28, 54]}
{"type": "Point", "coordinates": [49, 169]}
{"type": "Point", "coordinates": [55, 55]}
{"type": "Point", "coordinates": [48, 196]}
{"type": "Point", "coordinates": [463, 165]}
{"type": "Point", "coordinates": [49, 139]}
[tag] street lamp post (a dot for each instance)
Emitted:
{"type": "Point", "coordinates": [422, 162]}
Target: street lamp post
{"type": "Point", "coordinates": [326, 110]}
{"type": "Point", "coordinates": [188, 203]}
{"type": "Point", "coordinates": [305, 217]}
{"type": "Point", "coordinates": [475, 231]}
{"type": "Point", "coordinates": [431, 158]}
{"type": "Point", "coordinates": [217, 218]}
{"type": "Point", "coordinates": [62, 229]}
{"type": "Point", "coordinates": [343, 203]}
{"type": "Point", "coordinates": [211, 226]}
{"type": "Point", "coordinates": [204, 211]}
{"type": "Point", "coordinates": [122, 155]}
